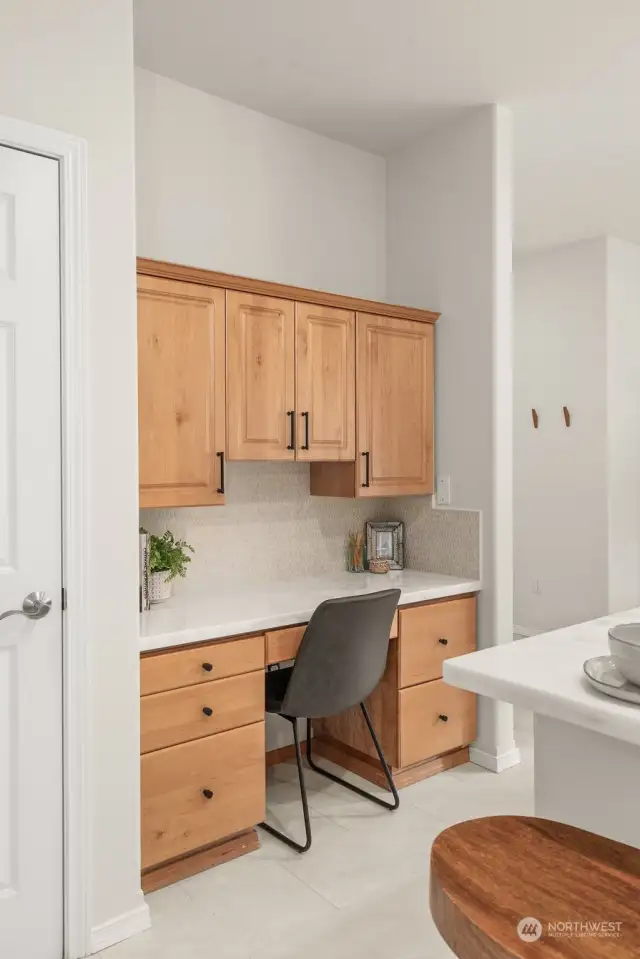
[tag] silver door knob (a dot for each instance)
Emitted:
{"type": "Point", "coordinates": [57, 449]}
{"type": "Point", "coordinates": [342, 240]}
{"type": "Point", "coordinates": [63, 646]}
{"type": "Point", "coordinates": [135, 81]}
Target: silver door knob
{"type": "Point", "coordinates": [34, 606]}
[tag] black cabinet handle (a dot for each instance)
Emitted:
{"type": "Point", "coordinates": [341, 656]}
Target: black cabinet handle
{"type": "Point", "coordinates": [444, 641]}
{"type": "Point", "coordinates": [207, 667]}
{"type": "Point", "coordinates": [366, 469]}
{"type": "Point", "coordinates": [291, 414]}
{"type": "Point", "coordinates": [221, 487]}
{"type": "Point", "coordinates": [443, 718]}
{"type": "Point", "coordinates": [306, 431]}
{"type": "Point", "coordinates": [207, 710]}
{"type": "Point", "coordinates": [207, 794]}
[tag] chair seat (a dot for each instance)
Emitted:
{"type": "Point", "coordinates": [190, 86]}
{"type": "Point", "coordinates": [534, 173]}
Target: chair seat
{"type": "Point", "coordinates": [488, 874]}
{"type": "Point", "coordinates": [276, 687]}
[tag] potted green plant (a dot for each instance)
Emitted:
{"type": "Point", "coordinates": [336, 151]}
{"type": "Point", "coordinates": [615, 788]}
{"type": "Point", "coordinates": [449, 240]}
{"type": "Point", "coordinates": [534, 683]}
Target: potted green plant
{"type": "Point", "coordinates": [167, 560]}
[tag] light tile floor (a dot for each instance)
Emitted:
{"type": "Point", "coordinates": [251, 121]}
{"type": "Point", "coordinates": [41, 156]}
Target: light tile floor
{"type": "Point", "coordinates": [361, 892]}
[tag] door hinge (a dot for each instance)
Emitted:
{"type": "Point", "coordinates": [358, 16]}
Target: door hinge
{"type": "Point", "coordinates": [64, 598]}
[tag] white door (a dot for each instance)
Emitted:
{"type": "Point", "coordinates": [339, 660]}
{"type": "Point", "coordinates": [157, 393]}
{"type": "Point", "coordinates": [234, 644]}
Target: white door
{"type": "Point", "coordinates": [30, 559]}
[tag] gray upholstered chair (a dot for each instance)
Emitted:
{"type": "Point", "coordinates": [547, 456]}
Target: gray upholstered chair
{"type": "Point", "coordinates": [340, 662]}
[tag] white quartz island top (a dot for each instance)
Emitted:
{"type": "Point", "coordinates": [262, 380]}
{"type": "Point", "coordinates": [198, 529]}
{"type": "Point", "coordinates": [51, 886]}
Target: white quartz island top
{"type": "Point", "coordinates": [248, 608]}
{"type": "Point", "coordinates": [544, 674]}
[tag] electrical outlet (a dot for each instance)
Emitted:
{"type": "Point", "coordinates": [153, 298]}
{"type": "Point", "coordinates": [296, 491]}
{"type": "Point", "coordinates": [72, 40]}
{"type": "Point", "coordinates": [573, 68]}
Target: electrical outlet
{"type": "Point", "coordinates": [443, 490]}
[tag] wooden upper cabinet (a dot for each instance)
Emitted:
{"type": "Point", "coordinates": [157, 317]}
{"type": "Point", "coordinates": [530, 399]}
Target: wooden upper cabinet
{"type": "Point", "coordinates": [395, 406]}
{"type": "Point", "coordinates": [394, 420]}
{"type": "Point", "coordinates": [181, 392]}
{"type": "Point", "coordinates": [325, 383]}
{"type": "Point", "coordinates": [260, 377]}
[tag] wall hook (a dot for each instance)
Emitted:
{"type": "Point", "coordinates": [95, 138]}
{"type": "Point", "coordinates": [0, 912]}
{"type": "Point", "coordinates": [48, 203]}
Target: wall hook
{"type": "Point", "coordinates": [567, 416]}
{"type": "Point", "coordinates": [535, 418]}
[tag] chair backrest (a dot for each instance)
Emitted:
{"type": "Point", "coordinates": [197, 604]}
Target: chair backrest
{"type": "Point", "coordinates": [342, 655]}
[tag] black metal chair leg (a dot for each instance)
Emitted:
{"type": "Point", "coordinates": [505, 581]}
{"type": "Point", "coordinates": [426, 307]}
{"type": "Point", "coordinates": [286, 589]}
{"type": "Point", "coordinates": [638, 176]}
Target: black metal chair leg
{"type": "Point", "coordinates": [356, 789]}
{"type": "Point", "coordinates": [305, 805]}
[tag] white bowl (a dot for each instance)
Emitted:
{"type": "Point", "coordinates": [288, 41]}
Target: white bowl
{"type": "Point", "coordinates": [624, 643]}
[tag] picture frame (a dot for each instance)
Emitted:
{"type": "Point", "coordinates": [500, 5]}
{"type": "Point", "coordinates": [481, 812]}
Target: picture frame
{"type": "Point", "coordinates": [386, 541]}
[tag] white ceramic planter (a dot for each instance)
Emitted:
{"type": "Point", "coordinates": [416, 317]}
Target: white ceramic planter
{"type": "Point", "coordinates": [159, 587]}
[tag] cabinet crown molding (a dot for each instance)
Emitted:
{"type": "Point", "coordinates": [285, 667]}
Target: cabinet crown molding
{"type": "Point", "coordinates": [227, 281]}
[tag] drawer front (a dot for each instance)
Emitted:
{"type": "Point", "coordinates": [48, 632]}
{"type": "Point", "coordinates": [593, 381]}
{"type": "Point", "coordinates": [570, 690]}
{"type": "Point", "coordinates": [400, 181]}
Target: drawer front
{"type": "Point", "coordinates": [430, 634]}
{"type": "Point", "coordinates": [177, 817]}
{"type": "Point", "coordinates": [180, 715]}
{"type": "Point", "coordinates": [424, 732]}
{"type": "Point", "coordinates": [185, 667]}
{"type": "Point", "coordinates": [283, 644]}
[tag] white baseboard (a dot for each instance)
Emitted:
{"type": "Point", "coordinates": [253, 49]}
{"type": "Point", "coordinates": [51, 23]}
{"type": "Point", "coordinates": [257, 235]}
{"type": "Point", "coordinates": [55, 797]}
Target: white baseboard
{"type": "Point", "coordinates": [121, 927]}
{"type": "Point", "coordinates": [496, 764]}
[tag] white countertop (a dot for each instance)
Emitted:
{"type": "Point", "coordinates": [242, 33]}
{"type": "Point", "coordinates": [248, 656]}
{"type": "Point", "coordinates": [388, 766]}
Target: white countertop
{"type": "Point", "coordinates": [250, 608]}
{"type": "Point", "coordinates": [544, 673]}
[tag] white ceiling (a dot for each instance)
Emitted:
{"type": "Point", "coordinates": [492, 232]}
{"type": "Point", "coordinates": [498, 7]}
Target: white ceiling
{"type": "Point", "coordinates": [377, 73]}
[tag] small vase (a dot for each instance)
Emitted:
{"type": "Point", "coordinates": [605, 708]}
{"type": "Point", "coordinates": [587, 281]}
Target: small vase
{"type": "Point", "coordinates": [159, 587]}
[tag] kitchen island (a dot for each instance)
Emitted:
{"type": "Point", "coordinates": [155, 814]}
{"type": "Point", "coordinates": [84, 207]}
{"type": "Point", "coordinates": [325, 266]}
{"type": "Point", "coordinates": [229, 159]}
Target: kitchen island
{"type": "Point", "coordinates": [587, 745]}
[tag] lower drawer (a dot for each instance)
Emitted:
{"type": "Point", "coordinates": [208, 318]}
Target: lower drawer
{"type": "Point", "coordinates": [199, 792]}
{"type": "Point", "coordinates": [434, 718]}
{"type": "Point", "coordinates": [201, 710]}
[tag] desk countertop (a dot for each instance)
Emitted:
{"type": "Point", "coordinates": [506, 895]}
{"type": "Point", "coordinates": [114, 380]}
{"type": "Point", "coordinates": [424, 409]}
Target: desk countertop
{"type": "Point", "coordinates": [544, 673]}
{"type": "Point", "coordinates": [250, 608]}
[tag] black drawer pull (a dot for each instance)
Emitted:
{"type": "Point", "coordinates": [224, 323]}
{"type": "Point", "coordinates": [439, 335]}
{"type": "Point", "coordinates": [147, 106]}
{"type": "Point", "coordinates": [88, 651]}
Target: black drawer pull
{"type": "Point", "coordinates": [291, 414]}
{"type": "Point", "coordinates": [443, 718]}
{"type": "Point", "coordinates": [366, 469]}
{"type": "Point", "coordinates": [207, 667]}
{"type": "Point", "coordinates": [443, 641]}
{"type": "Point", "coordinates": [306, 431]}
{"type": "Point", "coordinates": [207, 794]}
{"type": "Point", "coordinates": [207, 710]}
{"type": "Point", "coordinates": [221, 487]}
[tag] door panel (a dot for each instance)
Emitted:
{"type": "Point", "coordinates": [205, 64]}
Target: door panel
{"type": "Point", "coordinates": [325, 383]}
{"type": "Point", "coordinates": [181, 392]}
{"type": "Point", "coordinates": [260, 377]}
{"type": "Point", "coordinates": [30, 559]}
{"type": "Point", "coordinates": [395, 405]}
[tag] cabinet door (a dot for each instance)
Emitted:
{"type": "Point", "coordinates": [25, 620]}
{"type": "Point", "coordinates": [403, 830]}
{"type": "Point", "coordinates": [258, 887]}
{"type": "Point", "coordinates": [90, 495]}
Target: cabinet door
{"type": "Point", "coordinates": [181, 392]}
{"type": "Point", "coordinates": [325, 383]}
{"type": "Point", "coordinates": [260, 377]}
{"type": "Point", "coordinates": [394, 406]}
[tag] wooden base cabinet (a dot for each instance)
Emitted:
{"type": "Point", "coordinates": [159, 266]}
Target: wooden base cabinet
{"type": "Point", "coordinates": [424, 725]}
{"type": "Point", "coordinates": [203, 732]}
{"type": "Point", "coordinates": [203, 756]}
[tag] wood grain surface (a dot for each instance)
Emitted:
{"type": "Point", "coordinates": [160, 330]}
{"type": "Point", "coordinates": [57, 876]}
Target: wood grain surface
{"type": "Point", "coordinates": [432, 633]}
{"type": "Point", "coordinates": [188, 666]}
{"type": "Point", "coordinates": [488, 874]}
{"type": "Point", "coordinates": [229, 281]}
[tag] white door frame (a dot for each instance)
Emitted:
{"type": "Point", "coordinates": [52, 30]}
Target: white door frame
{"type": "Point", "coordinates": [71, 154]}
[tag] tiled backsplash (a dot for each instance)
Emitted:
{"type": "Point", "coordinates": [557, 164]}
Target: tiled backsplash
{"type": "Point", "coordinates": [271, 528]}
{"type": "Point", "coordinates": [439, 540]}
